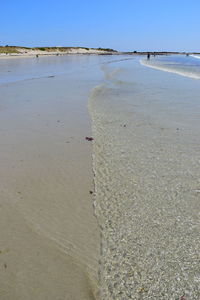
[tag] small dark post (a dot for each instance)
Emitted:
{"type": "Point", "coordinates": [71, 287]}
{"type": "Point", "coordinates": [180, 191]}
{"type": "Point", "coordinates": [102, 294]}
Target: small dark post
{"type": "Point", "coordinates": [148, 55]}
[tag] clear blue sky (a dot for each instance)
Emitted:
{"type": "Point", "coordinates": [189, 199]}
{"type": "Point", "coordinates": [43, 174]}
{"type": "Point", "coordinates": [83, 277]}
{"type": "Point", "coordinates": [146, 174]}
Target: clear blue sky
{"type": "Point", "coordinates": [122, 25]}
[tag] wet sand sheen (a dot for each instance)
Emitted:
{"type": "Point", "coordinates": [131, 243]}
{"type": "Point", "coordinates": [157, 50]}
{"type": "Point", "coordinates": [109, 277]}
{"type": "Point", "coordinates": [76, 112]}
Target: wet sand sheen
{"type": "Point", "coordinates": [49, 245]}
{"type": "Point", "coordinates": [146, 162]}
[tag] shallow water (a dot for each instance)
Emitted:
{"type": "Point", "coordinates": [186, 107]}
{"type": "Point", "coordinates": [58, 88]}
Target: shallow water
{"type": "Point", "coordinates": [145, 124]}
{"type": "Point", "coordinates": [146, 162]}
{"type": "Point", "coordinates": [188, 66]}
{"type": "Point", "coordinates": [18, 69]}
{"type": "Point", "coordinates": [49, 241]}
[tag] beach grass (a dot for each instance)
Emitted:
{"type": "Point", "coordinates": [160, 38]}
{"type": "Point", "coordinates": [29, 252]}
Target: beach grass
{"type": "Point", "coordinates": [61, 49]}
{"type": "Point", "coordinates": [8, 49]}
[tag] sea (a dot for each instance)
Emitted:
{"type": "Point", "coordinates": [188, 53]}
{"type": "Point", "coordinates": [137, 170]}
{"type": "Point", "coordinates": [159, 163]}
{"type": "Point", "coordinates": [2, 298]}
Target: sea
{"type": "Point", "coordinates": [180, 64]}
{"type": "Point", "coordinates": [146, 160]}
{"type": "Point", "coordinates": [145, 123]}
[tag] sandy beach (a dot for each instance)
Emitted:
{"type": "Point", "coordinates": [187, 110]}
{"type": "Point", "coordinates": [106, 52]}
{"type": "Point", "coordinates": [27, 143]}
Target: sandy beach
{"type": "Point", "coordinates": [14, 52]}
{"type": "Point", "coordinates": [49, 244]}
{"type": "Point", "coordinates": [114, 216]}
{"type": "Point", "coordinates": [99, 150]}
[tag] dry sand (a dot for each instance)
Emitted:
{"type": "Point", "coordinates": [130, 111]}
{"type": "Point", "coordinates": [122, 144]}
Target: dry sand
{"type": "Point", "coordinates": [24, 52]}
{"type": "Point", "coordinates": [49, 242]}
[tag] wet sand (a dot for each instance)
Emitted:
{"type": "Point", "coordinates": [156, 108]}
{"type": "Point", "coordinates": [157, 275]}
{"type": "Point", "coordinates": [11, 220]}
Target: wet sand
{"type": "Point", "coordinates": [49, 242]}
{"type": "Point", "coordinates": [144, 243]}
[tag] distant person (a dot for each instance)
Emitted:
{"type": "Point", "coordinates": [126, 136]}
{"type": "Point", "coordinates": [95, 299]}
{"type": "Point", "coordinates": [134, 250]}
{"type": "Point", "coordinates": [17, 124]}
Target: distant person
{"type": "Point", "coordinates": [148, 55]}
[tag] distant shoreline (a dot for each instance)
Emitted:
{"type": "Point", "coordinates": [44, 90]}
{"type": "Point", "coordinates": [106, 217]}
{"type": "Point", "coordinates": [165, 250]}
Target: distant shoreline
{"type": "Point", "coordinates": [14, 51]}
{"type": "Point", "coordinates": [17, 51]}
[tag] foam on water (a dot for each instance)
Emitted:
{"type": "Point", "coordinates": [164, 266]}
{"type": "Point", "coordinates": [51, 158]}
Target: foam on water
{"type": "Point", "coordinates": [146, 165]}
{"type": "Point", "coordinates": [196, 56]}
{"type": "Point", "coordinates": [185, 66]}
